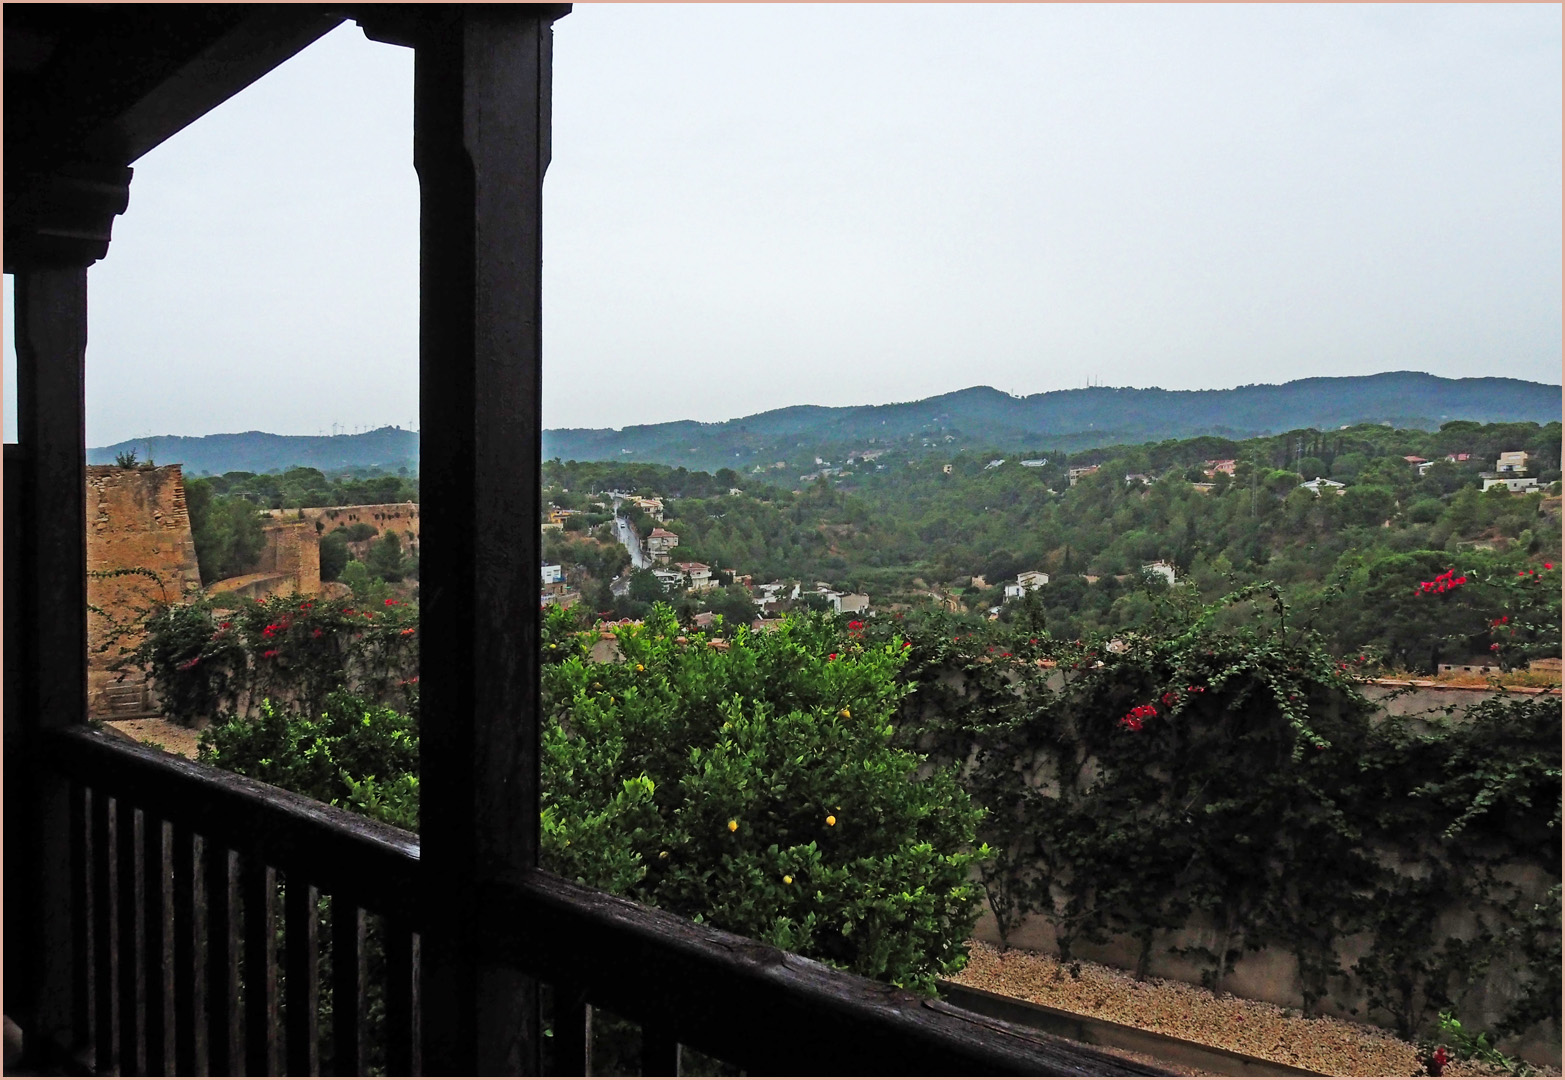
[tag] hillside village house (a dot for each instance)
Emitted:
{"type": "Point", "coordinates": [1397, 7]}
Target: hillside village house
{"type": "Point", "coordinates": [660, 542]}
{"type": "Point", "coordinates": [1026, 582]}
{"type": "Point", "coordinates": [1511, 461]}
{"type": "Point", "coordinates": [1318, 485]}
{"type": "Point", "coordinates": [1164, 570]}
{"type": "Point", "coordinates": [1221, 465]}
{"type": "Point", "coordinates": [698, 574]}
{"type": "Point", "coordinates": [116, 852]}
{"type": "Point", "coordinates": [1076, 472]}
{"type": "Point", "coordinates": [1513, 484]}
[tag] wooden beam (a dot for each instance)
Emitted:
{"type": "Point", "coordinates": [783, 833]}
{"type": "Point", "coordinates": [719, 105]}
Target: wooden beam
{"type": "Point", "coordinates": [481, 144]}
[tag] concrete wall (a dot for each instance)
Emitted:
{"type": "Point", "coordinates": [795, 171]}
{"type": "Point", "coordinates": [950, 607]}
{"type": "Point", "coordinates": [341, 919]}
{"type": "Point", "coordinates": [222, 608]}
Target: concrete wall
{"type": "Point", "coordinates": [136, 519]}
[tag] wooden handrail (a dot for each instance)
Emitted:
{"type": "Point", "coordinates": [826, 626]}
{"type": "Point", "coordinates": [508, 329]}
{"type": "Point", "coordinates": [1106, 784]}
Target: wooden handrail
{"type": "Point", "coordinates": [729, 996]}
{"type": "Point", "coordinates": [754, 1005]}
{"type": "Point", "coordinates": [342, 853]}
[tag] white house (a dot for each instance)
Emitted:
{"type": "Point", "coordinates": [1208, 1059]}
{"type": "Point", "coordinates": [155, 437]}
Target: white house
{"type": "Point", "coordinates": [1318, 485]}
{"type": "Point", "coordinates": [1513, 484]}
{"type": "Point", "coordinates": [996, 463]}
{"type": "Point", "coordinates": [669, 579]}
{"type": "Point", "coordinates": [849, 603]}
{"type": "Point", "coordinates": [1511, 461]}
{"type": "Point", "coordinates": [1035, 463]}
{"type": "Point", "coordinates": [700, 575]}
{"type": "Point", "coordinates": [551, 575]}
{"type": "Point", "coordinates": [1026, 582]}
{"type": "Point", "coordinates": [1164, 570]}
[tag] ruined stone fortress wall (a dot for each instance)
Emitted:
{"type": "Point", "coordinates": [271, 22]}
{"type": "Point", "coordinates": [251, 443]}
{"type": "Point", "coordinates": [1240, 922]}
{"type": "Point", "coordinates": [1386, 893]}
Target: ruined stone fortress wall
{"type": "Point", "coordinates": [401, 518]}
{"type": "Point", "coordinates": [136, 519]}
{"type": "Point", "coordinates": [290, 561]}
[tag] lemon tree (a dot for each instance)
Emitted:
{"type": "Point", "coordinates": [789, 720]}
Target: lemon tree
{"type": "Point", "coordinates": [751, 783]}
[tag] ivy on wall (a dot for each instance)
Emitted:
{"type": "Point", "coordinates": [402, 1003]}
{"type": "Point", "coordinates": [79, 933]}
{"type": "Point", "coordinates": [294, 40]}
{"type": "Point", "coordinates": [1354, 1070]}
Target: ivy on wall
{"type": "Point", "coordinates": [1240, 779]}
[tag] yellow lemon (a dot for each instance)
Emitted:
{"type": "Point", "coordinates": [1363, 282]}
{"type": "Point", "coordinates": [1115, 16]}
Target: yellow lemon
{"type": "Point", "coordinates": [733, 826]}
{"type": "Point", "coordinates": [831, 819]}
{"type": "Point", "coordinates": [787, 879]}
{"type": "Point", "coordinates": [845, 714]}
{"type": "Point", "coordinates": [640, 667]}
{"type": "Point", "coordinates": [662, 854]}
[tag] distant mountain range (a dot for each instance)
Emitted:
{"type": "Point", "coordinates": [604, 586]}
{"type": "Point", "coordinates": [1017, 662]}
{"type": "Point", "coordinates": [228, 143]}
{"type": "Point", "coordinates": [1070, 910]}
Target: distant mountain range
{"type": "Point", "coordinates": [980, 417]}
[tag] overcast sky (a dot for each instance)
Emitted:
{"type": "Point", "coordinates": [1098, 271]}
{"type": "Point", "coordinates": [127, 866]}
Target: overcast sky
{"type": "Point", "coordinates": [757, 206]}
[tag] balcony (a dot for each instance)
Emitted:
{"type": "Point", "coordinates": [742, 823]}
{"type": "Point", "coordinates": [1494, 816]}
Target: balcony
{"type": "Point", "coordinates": [167, 917]}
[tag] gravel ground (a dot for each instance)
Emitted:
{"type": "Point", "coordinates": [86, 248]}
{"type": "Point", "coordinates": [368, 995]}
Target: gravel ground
{"type": "Point", "coordinates": [171, 737]}
{"type": "Point", "coordinates": [1320, 1044]}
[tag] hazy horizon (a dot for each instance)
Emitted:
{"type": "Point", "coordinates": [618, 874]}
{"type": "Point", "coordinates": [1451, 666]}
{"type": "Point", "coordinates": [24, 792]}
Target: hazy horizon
{"type": "Point", "coordinates": [755, 207]}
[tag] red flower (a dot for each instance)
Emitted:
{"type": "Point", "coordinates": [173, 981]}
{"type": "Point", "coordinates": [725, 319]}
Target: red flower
{"type": "Point", "coordinates": [269, 653]}
{"type": "Point", "coordinates": [833, 656]}
{"type": "Point", "coordinates": [391, 602]}
{"type": "Point", "coordinates": [316, 632]}
{"type": "Point", "coordinates": [224, 625]}
{"type": "Point", "coordinates": [188, 664]}
{"type": "Point", "coordinates": [409, 630]}
{"type": "Point", "coordinates": [1548, 566]}
{"type": "Point", "coordinates": [907, 644]}
{"type": "Point", "coordinates": [854, 625]}
{"type": "Point", "coordinates": [347, 611]}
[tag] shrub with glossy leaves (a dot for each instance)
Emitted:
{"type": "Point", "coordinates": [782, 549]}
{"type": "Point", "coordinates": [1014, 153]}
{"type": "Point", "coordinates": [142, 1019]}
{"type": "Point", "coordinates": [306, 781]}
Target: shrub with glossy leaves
{"type": "Point", "coordinates": [751, 783]}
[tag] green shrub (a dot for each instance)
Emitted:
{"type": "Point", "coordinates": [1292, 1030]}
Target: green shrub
{"type": "Point", "coordinates": [755, 787]}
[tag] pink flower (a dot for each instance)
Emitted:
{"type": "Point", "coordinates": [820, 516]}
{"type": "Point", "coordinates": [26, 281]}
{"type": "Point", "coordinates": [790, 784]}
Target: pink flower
{"type": "Point", "coordinates": [188, 664]}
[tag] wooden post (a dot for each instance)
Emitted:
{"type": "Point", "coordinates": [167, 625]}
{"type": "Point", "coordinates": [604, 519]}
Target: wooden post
{"type": "Point", "coordinates": [481, 144]}
{"type": "Point", "coordinates": [51, 351]}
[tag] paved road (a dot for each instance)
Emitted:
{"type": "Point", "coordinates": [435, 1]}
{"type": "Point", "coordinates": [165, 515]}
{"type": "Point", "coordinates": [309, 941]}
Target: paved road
{"type": "Point", "coordinates": [626, 532]}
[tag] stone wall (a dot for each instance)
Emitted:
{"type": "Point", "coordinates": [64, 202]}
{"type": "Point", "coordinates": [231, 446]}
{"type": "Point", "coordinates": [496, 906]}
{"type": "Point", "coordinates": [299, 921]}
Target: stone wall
{"type": "Point", "coordinates": [401, 518]}
{"type": "Point", "coordinates": [136, 520]}
{"type": "Point", "coordinates": [290, 561]}
{"type": "Point", "coordinates": [1272, 974]}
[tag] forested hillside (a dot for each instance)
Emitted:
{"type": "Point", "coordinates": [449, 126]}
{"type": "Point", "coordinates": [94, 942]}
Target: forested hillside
{"type": "Point", "coordinates": [1067, 419]}
{"type": "Point", "coordinates": [910, 534]}
{"type": "Point", "coordinates": [1072, 420]}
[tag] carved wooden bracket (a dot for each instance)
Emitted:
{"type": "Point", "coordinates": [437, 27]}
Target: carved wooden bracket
{"type": "Point", "coordinates": [64, 217]}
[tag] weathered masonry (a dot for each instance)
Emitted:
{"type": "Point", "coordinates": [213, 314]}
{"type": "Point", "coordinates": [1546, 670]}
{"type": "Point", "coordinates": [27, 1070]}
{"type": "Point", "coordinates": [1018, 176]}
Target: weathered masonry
{"type": "Point", "coordinates": [139, 552]}
{"type": "Point", "coordinates": [136, 880]}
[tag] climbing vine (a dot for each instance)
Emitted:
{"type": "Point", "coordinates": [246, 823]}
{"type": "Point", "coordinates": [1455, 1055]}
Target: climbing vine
{"type": "Point", "coordinates": [1238, 779]}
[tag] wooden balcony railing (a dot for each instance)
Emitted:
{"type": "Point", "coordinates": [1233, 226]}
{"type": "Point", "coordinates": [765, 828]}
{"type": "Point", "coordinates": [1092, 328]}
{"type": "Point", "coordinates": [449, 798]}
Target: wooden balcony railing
{"type": "Point", "coordinates": [182, 964]}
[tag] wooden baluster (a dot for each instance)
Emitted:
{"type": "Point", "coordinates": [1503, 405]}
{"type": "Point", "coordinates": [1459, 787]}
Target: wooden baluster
{"type": "Point", "coordinates": [81, 916]}
{"type": "Point", "coordinates": [222, 977]}
{"type": "Point", "coordinates": [572, 1030]}
{"type": "Point", "coordinates": [104, 1062]}
{"type": "Point", "coordinates": [157, 951]}
{"type": "Point", "coordinates": [399, 996]}
{"type": "Point", "coordinates": [301, 943]}
{"type": "Point", "coordinates": [659, 1052]}
{"type": "Point", "coordinates": [186, 999]}
{"type": "Point", "coordinates": [348, 978]}
{"type": "Point", "coordinates": [260, 903]}
{"type": "Point", "coordinates": [127, 886]}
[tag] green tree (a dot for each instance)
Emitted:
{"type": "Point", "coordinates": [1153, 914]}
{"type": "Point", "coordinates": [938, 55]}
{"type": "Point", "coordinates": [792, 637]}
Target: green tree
{"type": "Point", "coordinates": [334, 555]}
{"type": "Point", "coordinates": [755, 788]}
{"type": "Point", "coordinates": [385, 558]}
